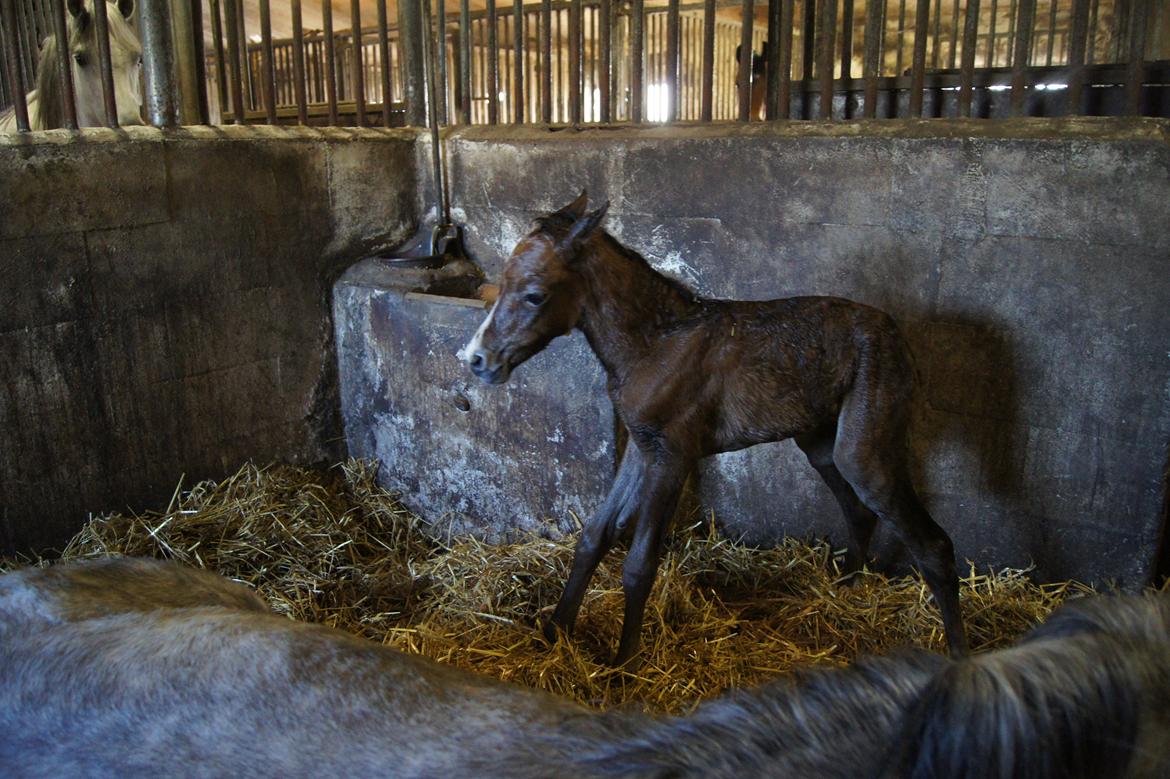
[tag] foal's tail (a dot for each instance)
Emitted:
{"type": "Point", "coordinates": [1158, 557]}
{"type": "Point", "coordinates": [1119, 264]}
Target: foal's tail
{"type": "Point", "coordinates": [1082, 697]}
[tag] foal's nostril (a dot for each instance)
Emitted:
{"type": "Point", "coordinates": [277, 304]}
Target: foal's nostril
{"type": "Point", "coordinates": [476, 361]}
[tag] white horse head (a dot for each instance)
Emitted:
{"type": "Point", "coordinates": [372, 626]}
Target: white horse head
{"type": "Point", "coordinates": [44, 103]}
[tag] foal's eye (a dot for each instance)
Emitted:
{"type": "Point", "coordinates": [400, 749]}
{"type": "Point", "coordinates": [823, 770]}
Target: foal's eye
{"type": "Point", "coordinates": [535, 299]}
{"type": "Point", "coordinates": [81, 60]}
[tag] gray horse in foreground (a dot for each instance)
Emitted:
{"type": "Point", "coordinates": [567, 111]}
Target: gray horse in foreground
{"type": "Point", "coordinates": [140, 668]}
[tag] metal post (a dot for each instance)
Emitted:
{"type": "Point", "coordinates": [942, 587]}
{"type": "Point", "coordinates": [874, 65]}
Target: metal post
{"type": "Point", "coordinates": [970, 33]}
{"type": "Point", "coordinates": [1023, 44]}
{"type": "Point", "coordinates": [575, 57]}
{"type": "Point", "coordinates": [518, 53]}
{"type": "Point", "coordinates": [268, 66]}
{"type": "Point", "coordinates": [12, 60]}
{"type": "Point", "coordinates": [546, 61]}
{"type": "Point", "coordinates": [299, 63]}
{"type": "Point", "coordinates": [186, 80]}
{"type": "Point", "coordinates": [828, 40]}
{"type": "Point", "coordinates": [101, 28]}
{"type": "Point", "coordinates": [746, 54]}
{"type": "Point", "coordinates": [637, 46]}
{"type": "Point", "coordinates": [872, 64]}
{"type": "Point", "coordinates": [330, 60]}
{"type": "Point", "coordinates": [783, 71]}
{"type": "Point", "coordinates": [918, 63]}
{"type": "Point", "coordinates": [237, 84]}
{"type": "Point", "coordinates": [158, 62]}
{"type": "Point", "coordinates": [64, 66]}
{"type": "Point", "coordinates": [410, 44]}
{"type": "Point", "coordinates": [384, 57]}
{"type": "Point", "coordinates": [357, 76]}
{"type": "Point", "coordinates": [465, 62]}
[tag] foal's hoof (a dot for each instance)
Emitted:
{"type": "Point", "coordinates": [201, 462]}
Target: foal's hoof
{"type": "Point", "coordinates": [551, 632]}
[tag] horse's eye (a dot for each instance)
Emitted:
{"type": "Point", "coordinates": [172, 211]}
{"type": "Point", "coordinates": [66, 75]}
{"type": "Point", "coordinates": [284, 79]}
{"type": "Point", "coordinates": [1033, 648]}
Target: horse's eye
{"type": "Point", "coordinates": [139, 60]}
{"type": "Point", "coordinates": [81, 60]}
{"type": "Point", "coordinates": [535, 299]}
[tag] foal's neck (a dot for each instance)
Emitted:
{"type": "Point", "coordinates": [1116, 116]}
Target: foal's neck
{"type": "Point", "coordinates": [628, 305]}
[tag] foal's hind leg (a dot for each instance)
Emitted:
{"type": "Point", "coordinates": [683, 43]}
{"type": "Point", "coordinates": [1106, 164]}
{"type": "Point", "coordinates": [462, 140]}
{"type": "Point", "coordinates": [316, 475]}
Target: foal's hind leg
{"type": "Point", "coordinates": [818, 447]}
{"type": "Point", "coordinates": [870, 452]}
{"type": "Point", "coordinates": [597, 538]}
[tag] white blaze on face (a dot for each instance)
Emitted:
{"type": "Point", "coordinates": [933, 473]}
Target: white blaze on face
{"type": "Point", "coordinates": [476, 340]}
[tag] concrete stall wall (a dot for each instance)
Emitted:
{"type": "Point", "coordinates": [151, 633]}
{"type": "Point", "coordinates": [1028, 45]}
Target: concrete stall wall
{"type": "Point", "coordinates": [1028, 263]}
{"type": "Point", "coordinates": [164, 307]}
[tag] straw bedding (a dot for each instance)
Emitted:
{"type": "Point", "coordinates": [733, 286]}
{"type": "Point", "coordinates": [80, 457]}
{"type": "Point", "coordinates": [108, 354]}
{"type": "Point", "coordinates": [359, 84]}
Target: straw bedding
{"type": "Point", "coordinates": [333, 547]}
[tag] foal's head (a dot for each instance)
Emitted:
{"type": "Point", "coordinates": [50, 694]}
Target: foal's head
{"type": "Point", "coordinates": [126, 61]}
{"type": "Point", "coordinates": [540, 295]}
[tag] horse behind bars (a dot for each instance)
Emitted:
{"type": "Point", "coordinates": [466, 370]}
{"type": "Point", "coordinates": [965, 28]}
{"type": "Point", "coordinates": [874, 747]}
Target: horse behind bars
{"type": "Point", "coordinates": [691, 376]}
{"type": "Point", "coordinates": [135, 668]}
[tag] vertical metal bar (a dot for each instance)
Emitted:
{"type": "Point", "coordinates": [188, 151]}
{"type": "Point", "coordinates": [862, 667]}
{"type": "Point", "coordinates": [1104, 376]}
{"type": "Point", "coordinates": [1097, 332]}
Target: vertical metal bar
{"type": "Point", "coordinates": [846, 41]}
{"type": "Point", "coordinates": [1076, 54]}
{"type": "Point", "coordinates": [952, 56]}
{"type": "Point", "coordinates": [1051, 30]}
{"type": "Point", "coordinates": [575, 61]}
{"type": "Point", "coordinates": [331, 60]}
{"type": "Point", "coordinates": [12, 59]}
{"type": "Point", "coordinates": [465, 61]}
{"type": "Point", "coordinates": [1135, 67]}
{"type": "Point", "coordinates": [708, 59]}
{"type": "Point", "coordinates": [220, 66]}
{"type": "Point", "coordinates": [967, 75]}
{"type": "Point", "coordinates": [936, 39]}
{"type": "Point", "coordinates": [384, 62]}
{"type": "Point", "coordinates": [901, 37]}
{"type": "Point", "coordinates": [64, 64]}
{"type": "Point", "coordinates": [158, 62]}
{"type": "Point", "coordinates": [672, 60]}
{"type": "Point", "coordinates": [918, 63]}
{"type": "Point", "coordinates": [773, 76]}
{"type": "Point", "coordinates": [410, 31]}
{"type": "Point", "coordinates": [746, 52]}
{"type": "Point", "coordinates": [1023, 43]}
{"type": "Point", "coordinates": [493, 64]}
{"type": "Point", "coordinates": [992, 51]}
{"type": "Point", "coordinates": [605, 66]}
{"type": "Point", "coordinates": [433, 101]}
{"type": "Point", "coordinates": [200, 61]}
{"type": "Point", "coordinates": [871, 65]}
{"type": "Point", "coordinates": [1011, 31]}
{"type": "Point", "coordinates": [357, 76]}
{"type": "Point", "coordinates": [440, 44]}
{"type": "Point", "coordinates": [182, 40]}
{"type": "Point", "coordinates": [784, 69]}
{"type": "Point", "coordinates": [828, 42]}
{"type": "Point", "coordinates": [637, 46]}
{"type": "Point", "coordinates": [546, 61]}
{"type": "Point", "coordinates": [809, 43]}
{"type": "Point", "coordinates": [298, 31]}
{"type": "Point", "coordinates": [518, 55]}
{"type": "Point", "coordinates": [101, 28]}
{"type": "Point", "coordinates": [236, 78]}
{"type": "Point", "coordinates": [1090, 55]}
{"type": "Point", "coordinates": [268, 85]}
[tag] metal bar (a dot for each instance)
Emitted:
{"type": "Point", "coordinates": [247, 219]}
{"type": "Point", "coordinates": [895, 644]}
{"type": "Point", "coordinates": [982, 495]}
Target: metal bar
{"type": "Point", "coordinates": [605, 65]}
{"type": "Point", "coordinates": [773, 75]}
{"type": "Point", "coordinates": [953, 55]}
{"type": "Point", "coordinates": [809, 42]}
{"type": "Point", "coordinates": [465, 61]}
{"type": "Point", "coordinates": [1091, 54]}
{"type": "Point", "coordinates": [1076, 54]}
{"type": "Point", "coordinates": [357, 71]}
{"type": "Point", "coordinates": [65, 65]}
{"type": "Point", "coordinates": [331, 60]}
{"type": "Point", "coordinates": [546, 61]}
{"type": "Point", "coordinates": [936, 35]}
{"type": "Point", "coordinates": [158, 62]}
{"type": "Point", "coordinates": [410, 31]}
{"type": "Point", "coordinates": [784, 68]}
{"type": "Point", "coordinates": [672, 60]}
{"type": "Point", "coordinates": [846, 41]}
{"type": "Point", "coordinates": [901, 37]}
{"type": "Point", "coordinates": [992, 51]}
{"type": "Point", "coordinates": [493, 55]}
{"type": "Point", "coordinates": [433, 100]}
{"type": "Point", "coordinates": [1023, 43]}
{"type": "Point", "coordinates": [744, 68]}
{"type": "Point", "coordinates": [575, 56]}
{"type": "Point", "coordinates": [637, 46]}
{"type": "Point", "coordinates": [708, 60]}
{"type": "Point", "coordinates": [967, 74]}
{"type": "Point", "coordinates": [518, 58]}
{"type": "Point", "coordinates": [298, 30]}
{"type": "Point", "coordinates": [101, 28]}
{"type": "Point", "coordinates": [11, 45]}
{"type": "Point", "coordinates": [918, 63]}
{"type": "Point", "coordinates": [441, 57]}
{"type": "Point", "coordinates": [384, 62]}
{"type": "Point", "coordinates": [182, 38]}
{"type": "Point", "coordinates": [1011, 31]}
{"type": "Point", "coordinates": [268, 65]}
{"type": "Point", "coordinates": [1051, 30]}
{"type": "Point", "coordinates": [827, 39]}
{"type": "Point", "coordinates": [235, 76]}
{"type": "Point", "coordinates": [871, 64]}
{"type": "Point", "coordinates": [1135, 68]}
{"type": "Point", "coordinates": [201, 96]}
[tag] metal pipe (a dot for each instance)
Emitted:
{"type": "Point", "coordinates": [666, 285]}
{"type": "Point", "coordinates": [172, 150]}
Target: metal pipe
{"type": "Point", "coordinates": [12, 59]}
{"type": "Point", "coordinates": [440, 43]}
{"type": "Point", "coordinates": [1135, 67]}
{"type": "Point", "coordinates": [357, 73]}
{"type": "Point", "coordinates": [918, 63]}
{"type": "Point", "coordinates": [1023, 44]}
{"type": "Point", "coordinates": [183, 51]}
{"type": "Point", "coordinates": [783, 70]}
{"type": "Point", "coordinates": [441, 204]}
{"type": "Point", "coordinates": [872, 63]}
{"type": "Point", "coordinates": [413, 68]}
{"type": "Point", "coordinates": [746, 52]}
{"type": "Point", "coordinates": [299, 63]}
{"type": "Point", "coordinates": [158, 62]}
{"type": "Point", "coordinates": [65, 66]}
{"type": "Point", "coordinates": [967, 72]}
{"type": "Point", "coordinates": [101, 29]}
{"type": "Point", "coordinates": [705, 111]}
{"type": "Point", "coordinates": [268, 67]}
{"type": "Point", "coordinates": [546, 59]}
{"type": "Point", "coordinates": [846, 42]}
{"type": "Point", "coordinates": [672, 60]}
{"type": "Point", "coordinates": [465, 61]}
{"type": "Point", "coordinates": [237, 85]}
{"type": "Point", "coordinates": [330, 61]}
{"type": "Point", "coordinates": [828, 40]}
{"type": "Point", "coordinates": [1076, 54]}
{"type": "Point", "coordinates": [605, 21]}
{"type": "Point", "coordinates": [518, 54]}
{"type": "Point", "coordinates": [637, 45]}
{"type": "Point", "coordinates": [203, 104]}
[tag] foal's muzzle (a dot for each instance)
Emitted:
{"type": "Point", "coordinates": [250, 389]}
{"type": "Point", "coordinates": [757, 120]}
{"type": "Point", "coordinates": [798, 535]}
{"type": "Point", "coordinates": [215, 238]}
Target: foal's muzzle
{"type": "Point", "coordinates": [488, 366]}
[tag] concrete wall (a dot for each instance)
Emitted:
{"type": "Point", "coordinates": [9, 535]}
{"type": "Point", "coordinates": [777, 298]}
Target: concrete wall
{"type": "Point", "coordinates": [164, 306]}
{"type": "Point", "coordinates": [1029, 263]}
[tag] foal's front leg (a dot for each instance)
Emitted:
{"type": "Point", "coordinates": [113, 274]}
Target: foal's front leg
{"type": "Point", "coordinates": [597, 537]}
{"type": "Point", "coordinates": [663, 485]}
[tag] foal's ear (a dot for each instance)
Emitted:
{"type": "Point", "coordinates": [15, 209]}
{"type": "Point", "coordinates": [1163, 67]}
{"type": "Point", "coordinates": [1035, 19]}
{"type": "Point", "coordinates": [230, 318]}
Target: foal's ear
{"type": "Point", "coordinates": [126, 7]}
{"type": "Point", "coordinates": [583, 228]}
{"type": "Point", "coordinates": [576, 209]}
